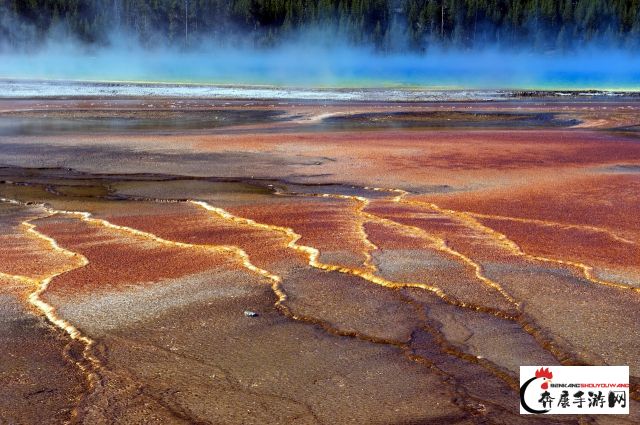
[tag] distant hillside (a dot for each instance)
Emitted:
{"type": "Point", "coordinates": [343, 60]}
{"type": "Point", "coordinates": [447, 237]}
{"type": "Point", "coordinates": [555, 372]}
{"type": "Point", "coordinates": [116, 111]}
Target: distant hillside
{"type": "Point", "coordinates": [385, 24]}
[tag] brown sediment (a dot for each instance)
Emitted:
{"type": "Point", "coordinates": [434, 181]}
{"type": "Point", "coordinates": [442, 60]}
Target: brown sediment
{"type": "Point", "coordinates": [281, 297]}
{"type": "Point", "coordinates": [87, 362]}
{"type": "Point", "coordinates": [39, 382]}
{"type": "Point", "coordinates": [426, 258]}
{"type": "Point", "coordinates": [469, 221]}
{"type": "Point", "coordinates": [376, 236]}
{"type": "Point", "coordinates": [313, 253]}
{"type": "Point", "coordinates": [498, 246]}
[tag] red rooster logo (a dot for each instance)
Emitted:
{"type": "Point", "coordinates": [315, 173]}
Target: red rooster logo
{"type": "Point", "coordinates": [546, 374]}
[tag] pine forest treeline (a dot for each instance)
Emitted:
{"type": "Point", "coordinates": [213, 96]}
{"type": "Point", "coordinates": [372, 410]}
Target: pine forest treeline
{"type": "Point", "coordinates": [385, 24]}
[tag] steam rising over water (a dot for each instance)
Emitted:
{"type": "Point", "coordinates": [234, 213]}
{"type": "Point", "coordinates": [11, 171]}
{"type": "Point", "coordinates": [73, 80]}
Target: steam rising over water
{"type": "Point", "coordinates": [299, 65]}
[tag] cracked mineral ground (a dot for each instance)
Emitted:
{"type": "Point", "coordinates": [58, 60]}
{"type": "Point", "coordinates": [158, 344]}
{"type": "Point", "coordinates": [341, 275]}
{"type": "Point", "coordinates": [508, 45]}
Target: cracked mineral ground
{"type": "Point", "coordinates": [194, 261]}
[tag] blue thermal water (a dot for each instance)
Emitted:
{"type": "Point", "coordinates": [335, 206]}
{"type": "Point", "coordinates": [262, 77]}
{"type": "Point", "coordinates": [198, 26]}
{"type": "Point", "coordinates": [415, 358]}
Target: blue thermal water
{"type": "Point", "coordinates": [339, 67]}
